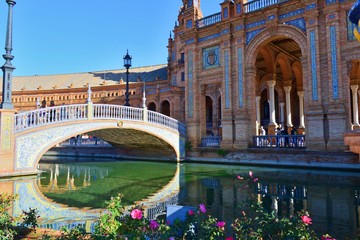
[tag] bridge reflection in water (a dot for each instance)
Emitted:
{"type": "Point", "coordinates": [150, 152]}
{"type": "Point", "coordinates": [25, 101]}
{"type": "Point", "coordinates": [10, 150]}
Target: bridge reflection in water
{"type": "Point", "coordinates": [72, 194]}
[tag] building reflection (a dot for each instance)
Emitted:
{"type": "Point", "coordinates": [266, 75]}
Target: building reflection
{"type": "Point", "coordinates": [333, 209]}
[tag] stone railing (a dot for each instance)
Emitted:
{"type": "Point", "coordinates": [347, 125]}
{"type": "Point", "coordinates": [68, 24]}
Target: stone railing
{"type": "Point", "coordinates": [68, 113]}
{"type": "Point", "coordinates": [280, 141]}
{"type": "Point", "coordinates": [259, 4]}
{"type": "Point", "coordinates": [209, 20]}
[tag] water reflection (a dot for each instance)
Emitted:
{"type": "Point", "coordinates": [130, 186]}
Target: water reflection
{"type": "Point", "coordinates": [69, 194]}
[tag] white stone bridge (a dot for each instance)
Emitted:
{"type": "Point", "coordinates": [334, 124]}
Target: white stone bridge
{"type": "Point", "coordinates": [136, 130]}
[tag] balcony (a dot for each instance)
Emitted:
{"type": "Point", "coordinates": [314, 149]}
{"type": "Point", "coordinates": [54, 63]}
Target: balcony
{"type": "Point", "coordinates": [209, 20]}
{"type": "Point", "coordinates": [260, 4]}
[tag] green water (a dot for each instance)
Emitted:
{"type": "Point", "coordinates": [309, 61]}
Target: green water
{"type": "Point", "coordinates": [71, 193]}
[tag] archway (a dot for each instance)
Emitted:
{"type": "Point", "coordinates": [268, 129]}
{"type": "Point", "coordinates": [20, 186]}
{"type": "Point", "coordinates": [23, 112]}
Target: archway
{"type": "Point", "coordinates": [151, 106]}
{"type": "Point", "coordinates": [209, 115]}
{"type": "Point", "coordinates": [165, 108]}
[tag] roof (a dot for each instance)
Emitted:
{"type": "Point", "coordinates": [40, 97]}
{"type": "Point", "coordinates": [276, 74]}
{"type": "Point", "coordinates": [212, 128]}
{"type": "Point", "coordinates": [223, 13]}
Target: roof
{"type": "Point", "coordinates": [80, 80]}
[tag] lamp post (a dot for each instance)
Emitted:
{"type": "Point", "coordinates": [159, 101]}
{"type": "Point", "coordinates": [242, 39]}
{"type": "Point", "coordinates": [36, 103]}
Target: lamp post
{"type": "Point", "coordinates": [8, 68]}
{"type": "Point", "coordinates": [127, 65]}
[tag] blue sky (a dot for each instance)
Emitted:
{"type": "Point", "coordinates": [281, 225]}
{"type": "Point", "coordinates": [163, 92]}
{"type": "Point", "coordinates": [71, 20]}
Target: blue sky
{"type": "Point", "coordinates": [67, 36]}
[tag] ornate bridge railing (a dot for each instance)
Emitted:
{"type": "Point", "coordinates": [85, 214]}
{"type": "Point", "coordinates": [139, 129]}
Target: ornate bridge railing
{"type": "Point", "coordinates": [279, 141]}
{"type": "Point", "coordinates": [67, 113]}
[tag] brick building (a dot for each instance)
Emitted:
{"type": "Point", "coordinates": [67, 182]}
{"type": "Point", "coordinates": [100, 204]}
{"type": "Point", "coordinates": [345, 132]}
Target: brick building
{"type": "Point", "coordinates": [266, 63]}
{"type": "Point", "coordinates": [254, 63]}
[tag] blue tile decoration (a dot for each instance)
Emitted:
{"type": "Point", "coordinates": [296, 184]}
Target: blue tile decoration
{"type": "Point", "coordinates": [330, 1]}
{"type": "Point", "coordinates": [239, 27]}
{"type": "Point", "coordinates": [190, 84]}
{"type": "Point", "coordinates": [203, 39]}
{"type": "Point", "coordinates": [271, 17]}
{"type": "Point", "coordinates": [189, 41]}
{"type": "Point", "coordinates": [238, 8]}
{"type": "Point", "coordinates": [255, 24]}
{"type": "Point", "coordinates": [310, 6]}
{"type": "Point", "coordinates": [226, 12]}
{"type": "Point", "coordinates": [225, 31]}
{"type": "Point", "coordinates": [227, 79]}
{"type": "Point", "coordinates": [189, 23]}
{"type": "Point", "coordinates": [334, 65]}
{"type": "Point", "coordinates": [291, 14]}
{"type": "Point", "coordinates": [313, 65]}
{"type": "Point", "coordinates": [211, 57]}
{"type": "Point", "coordinates": [311, 21]}
{"type": "Point", "coordinates": [300, 23]}
{"type": "Point", "coordinates": [252, 34]}
{"type": "Point", "coordinates": [173, 80]}
{"type": "Point", "coordinates": [240, 77]}
{"type": "Point", "coordinates": [331, 16]}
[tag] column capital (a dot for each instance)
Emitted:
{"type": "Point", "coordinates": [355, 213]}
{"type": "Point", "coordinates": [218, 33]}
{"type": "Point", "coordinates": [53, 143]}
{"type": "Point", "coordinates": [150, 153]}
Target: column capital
{"type": "Point", "coordinates": [287, 89]}
{"type": "Point", "coordinates": [354, 87]}
{"type": "Point", "coordinates": [271, 83]}
{"type": "Point", "coordinates": [300, 94]}
{"type": "Point", "coordinates": [282, 104]}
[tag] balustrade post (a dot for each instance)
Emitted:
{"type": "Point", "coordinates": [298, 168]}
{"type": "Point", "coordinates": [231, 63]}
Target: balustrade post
{"type": "Point", "coordinates": [90, 105]}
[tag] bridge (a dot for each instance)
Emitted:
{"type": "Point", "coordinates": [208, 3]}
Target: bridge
{"type": "Point", "coordinates": [137, 130]}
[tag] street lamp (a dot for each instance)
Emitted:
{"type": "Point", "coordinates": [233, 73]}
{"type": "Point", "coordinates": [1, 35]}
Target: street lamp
{"type": "Point", "coordinates": [127, 65]}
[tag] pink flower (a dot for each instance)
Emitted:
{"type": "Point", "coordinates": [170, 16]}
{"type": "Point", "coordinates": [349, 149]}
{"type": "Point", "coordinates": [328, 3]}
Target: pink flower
{"type": "Point", "coordinates": [243, 213]}
{"type": "Point", "coordinates": [220, 224]}
{"type": "Point", "coordinates": [327, 237]}
{"type": "Point", "coordinates": [191, 212]}
{"type": "Point", "coordinates": [307, 220]}
{"type": "Point", "coordinates": [251, 174]}
{"type": "Point", "coordinates": [202, 208]}
{"type": "Point", "coordinates": [229, 238]}
{"type": "Point", "coordinates": [240, 178]}
{"type": "Point", "coordinates": [154, 224]}
{"type": "Point", "coordinates": [172, 238]}
{"type": "Point", "coordinates": [255, 179]}
{"type": "Point", "coordinates": [136, 214]}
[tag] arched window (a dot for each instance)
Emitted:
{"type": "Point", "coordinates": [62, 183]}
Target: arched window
{"type": "Point", "coordinates": [165, 108]}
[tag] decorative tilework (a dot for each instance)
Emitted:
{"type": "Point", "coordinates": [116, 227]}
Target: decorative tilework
{"type": "Point", "coordinates": [239, 27]}
{"type": "Point", "coordinates": [271, 17]}
{"type": "Point", "coordinates": [252, 34]}
{"type": "Point", "coordinates": [211, 57]}
{"type": "Point", "coordinates": [240, 77]}
{"type": "Point", "coordinates": [311, 21]}
{"type": "Point", "coordinates": [330, 1]}
{"type": "Point", "coordinates": [238, 8]}
{"type": "Point", "coordinates": [300, 23]}
{"type": "Point", "coordinates": [203, 39]}
{"type": "Point", "coordinates": [331, 16]}
{"type": "Point", "coordinates": [255, 24]}
{"type": "Point", "coordinates": [189, 23]}
{"type": "Point", "coordinates": [291, 14]}
{"type": "Point", "coordinates": [334, 65]}
{"type": "Point", "coordinates": [189, 41]}
{"type": "Point", "coordinates": [310, 6]}
{"type": "Point", "coordinates": [190, 84]}
{"type": "Point", "coordinates": [226, 12]}
{"type": "Point", "coordinates": [225, 31]}
{"type": "Point", "coordinates": [227, 80]}
{"type": "Point", "coordinates": [313, 65]}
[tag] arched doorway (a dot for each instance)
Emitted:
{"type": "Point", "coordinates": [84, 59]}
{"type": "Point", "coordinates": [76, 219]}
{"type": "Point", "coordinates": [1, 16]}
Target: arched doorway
{"type": "Point", "coordinates": [165, 108]}
{"type": "Point", "coordinates": [151, 106]}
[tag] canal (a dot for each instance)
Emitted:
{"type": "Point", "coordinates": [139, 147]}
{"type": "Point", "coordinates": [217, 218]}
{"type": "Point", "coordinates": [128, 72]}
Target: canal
{"type": "Point", "coordinates": [68, 194]}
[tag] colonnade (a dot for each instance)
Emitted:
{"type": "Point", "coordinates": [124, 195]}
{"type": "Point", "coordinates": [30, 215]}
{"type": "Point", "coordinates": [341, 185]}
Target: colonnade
{"type": "Point", "coordinates": [272, 124]}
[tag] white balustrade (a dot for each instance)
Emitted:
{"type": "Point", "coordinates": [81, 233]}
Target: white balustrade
{"type": "Point", "coordinates": [66, 113]}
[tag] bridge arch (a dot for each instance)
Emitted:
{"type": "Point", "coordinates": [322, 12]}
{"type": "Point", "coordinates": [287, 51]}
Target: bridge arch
{"type": "Point", "coordinates": [34, 136]}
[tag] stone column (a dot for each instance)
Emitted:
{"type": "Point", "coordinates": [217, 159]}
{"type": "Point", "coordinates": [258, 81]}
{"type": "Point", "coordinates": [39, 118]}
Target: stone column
{"type": "Point", "coordinates": [258, 98]}
{"type": "Point", "coordinates": [354, 90]}
{"type": "Point", "coordinates": [272, 124]}
{"type": "Point", "coordinates": [288, 108]}
{"type": "Point", "coordinates": [7, 142]}
{"type": "Point", "coordinates": [301, 129]}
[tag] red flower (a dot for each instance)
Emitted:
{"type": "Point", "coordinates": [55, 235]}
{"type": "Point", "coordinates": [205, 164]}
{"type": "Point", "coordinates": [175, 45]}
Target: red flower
{"type": "Point", "coordinates": [136, 214]}
{"type": "Point", "coordinates": [327, 237]}
{"type": "Point", "coordinates": [307, 220]}
{"type": "Point", "coordinates": [255, 179]}
{"type": "Point", "coordinates": [191, 212]}
{"type": "Point", "coordinates": [229, 238]}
